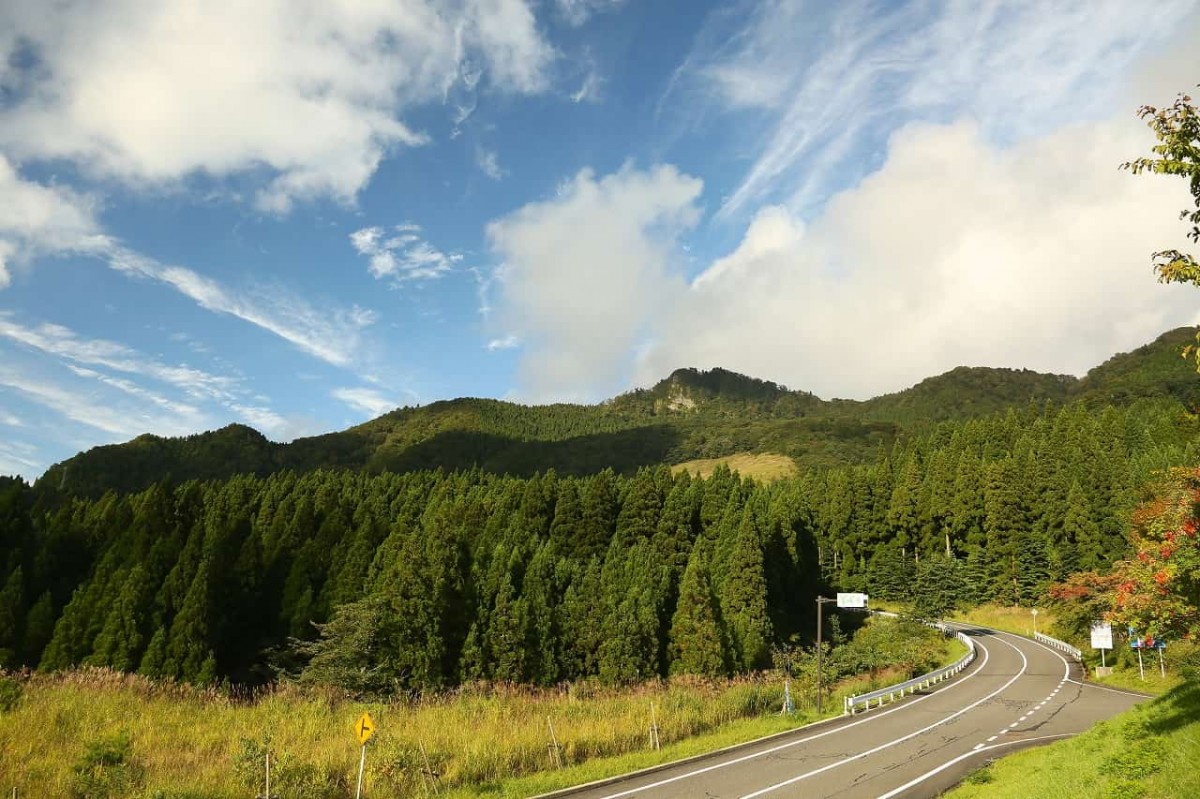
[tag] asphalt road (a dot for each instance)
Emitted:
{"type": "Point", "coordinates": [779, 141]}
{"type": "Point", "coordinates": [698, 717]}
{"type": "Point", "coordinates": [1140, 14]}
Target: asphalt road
{"type": "Point", "coordinates": [1018, 693]}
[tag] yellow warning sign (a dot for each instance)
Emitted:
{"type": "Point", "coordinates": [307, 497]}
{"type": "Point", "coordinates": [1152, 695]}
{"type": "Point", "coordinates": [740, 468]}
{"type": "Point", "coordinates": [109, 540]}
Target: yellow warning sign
{"type": "Point", "coordinates": [364, 728]}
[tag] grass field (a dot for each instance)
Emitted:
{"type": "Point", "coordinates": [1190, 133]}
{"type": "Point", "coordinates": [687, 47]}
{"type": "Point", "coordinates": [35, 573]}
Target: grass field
{"type": "Point", "coordinates": [1009, 619]}
{"type": "Point", "coordinates": [765, 467]}
{"type": "Point", "coordinates": [95, 733]}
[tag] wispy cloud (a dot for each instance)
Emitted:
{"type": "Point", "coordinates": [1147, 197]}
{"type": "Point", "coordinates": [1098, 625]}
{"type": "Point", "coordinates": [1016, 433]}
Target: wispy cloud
{"type": "Point", "coordinates": [333, 335]}
{"type": "Point", "coordinates": [503, 343]}
{"type": "Point", "coordinates": [488, 162]}
{"type": "Point", "coordinates": [183, 410]}
{"type": "Point", "coordinates": [589, 89]}
{"type": "Point", "coordinates": [834, 81]}
{"type": "Point", "coordinates": [213, 397]}
{"type": "Point", "coordinates": [63, 342]}
{"type": "Point", "coordinates": [18, 457]}
{"type": "Point", "coordinates": [368, 401]}
{"type": "Point", "coordinates": [82, 407]}
{"type": "Point", "coordinates": [577, 12]}
{"type": "Point", "coordinates": [401, 255]}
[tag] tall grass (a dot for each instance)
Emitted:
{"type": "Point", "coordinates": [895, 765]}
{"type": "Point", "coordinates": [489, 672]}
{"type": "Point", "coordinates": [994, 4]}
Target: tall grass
{"type": "Point", "coordinates": [181, 741]}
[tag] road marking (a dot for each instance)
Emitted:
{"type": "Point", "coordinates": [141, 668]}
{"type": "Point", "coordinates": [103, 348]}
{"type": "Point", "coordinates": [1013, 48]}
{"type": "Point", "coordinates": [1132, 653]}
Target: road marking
{"type": "Point", "coordinates": [1023, 717]}
{"type": "Point", "coordinates": [959, 759]}
{"type": "Point", "coordinates": [881, 747]}
{"type": "Point", "coordinates": [1015, 723]}
{"type": "Point", "coordinates": [788, 745]}
{"type": "Point", "coordinates": [977, 747]}
{"type": "Point", "coordinates": [994, 737]}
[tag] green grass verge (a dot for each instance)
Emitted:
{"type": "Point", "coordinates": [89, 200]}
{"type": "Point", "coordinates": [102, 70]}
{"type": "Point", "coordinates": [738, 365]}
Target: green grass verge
{"type": "Point", "coordinates": [1149, 751]}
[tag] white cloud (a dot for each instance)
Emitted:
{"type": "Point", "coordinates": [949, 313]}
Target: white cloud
{"type": "Point", "coordinates": [503, 343]}
{"type": "Point", "coordinates": [589, 89]}
{"type": "Point", "coordinates": [65, 343]}
{"type": "Point", "coordinates": [263, 419]}
{"type": "Point", "coordinates": [310, 97]}
{"type": "Point", "coordinates": [488, 162]}
{"type": "Point", "coordinates": [20, 458]}
{"type": "Point", "coordinates": [577, 12]}
{"type": "Point", "coordinates": [584, 272]}
{"type": "Point", "coordinates": [833, 81]}
{"type": "Point", "coordinates": [41, 220]}
{"type": "Point", "coordinates": [1033, 256]}
{"type": "Point", "coordinates": [187, 413]}
{"type": "Point", "coordinates": [89, 408]}
{"type": "Point", "coordinates": [333, 335]}
{"type": "Point", "coordinates": [402, 256]}
{"type": "Point", "coordinates": [367, 400]}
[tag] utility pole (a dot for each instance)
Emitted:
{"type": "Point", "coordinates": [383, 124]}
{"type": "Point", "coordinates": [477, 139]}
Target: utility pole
{"type": "Point", "coordinates": [821, 600]}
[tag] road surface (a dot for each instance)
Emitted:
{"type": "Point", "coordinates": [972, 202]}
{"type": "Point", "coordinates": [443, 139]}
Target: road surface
{"type": "Point", "coordinates": [1018, 693]}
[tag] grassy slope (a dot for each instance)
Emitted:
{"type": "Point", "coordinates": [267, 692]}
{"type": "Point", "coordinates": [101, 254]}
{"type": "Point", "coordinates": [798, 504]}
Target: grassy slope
{"type": "Point", "coordinates": [1009, 619]}
{"type": "Point", "coordinates": [1150, 751]}
{"type": "Point", "coordinates": [189, 743]}
{"type": "Point", "coordinates": [765, 467]}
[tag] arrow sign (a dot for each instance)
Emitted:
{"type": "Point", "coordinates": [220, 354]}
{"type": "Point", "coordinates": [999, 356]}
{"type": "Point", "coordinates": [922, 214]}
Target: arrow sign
{"type": "Point", "coordinates": [364, 728]}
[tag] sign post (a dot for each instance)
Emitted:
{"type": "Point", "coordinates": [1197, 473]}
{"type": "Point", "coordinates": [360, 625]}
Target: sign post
{"type": "Point", "coordinates": [1034, 612]}
{"type": "Point", "coordinates": [364, 728]}
{"type": "Point", "coordinates": [821, 600]}
{"type": "Point", "coordinates": [1138, 644]}
{"type": "Point", "coordinates": [843, 600]}
{"type": "Point", "coordinates": [1102, 639]}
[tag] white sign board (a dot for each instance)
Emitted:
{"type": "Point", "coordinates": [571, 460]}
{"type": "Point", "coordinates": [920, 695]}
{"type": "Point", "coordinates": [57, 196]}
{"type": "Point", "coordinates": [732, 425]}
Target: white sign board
{"type": "Point", "coordinates": [1102, 635]}
{"type": "Point", "coordinates": [852, 601]}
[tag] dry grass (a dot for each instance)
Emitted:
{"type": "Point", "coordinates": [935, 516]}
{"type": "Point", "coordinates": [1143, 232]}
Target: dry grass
{"type": "Point", "coordinates": [1017, 620]}
{"type": "Point", "coordinates": [481, 740]}
{"type": "Point", "coordinates": [765, 467]}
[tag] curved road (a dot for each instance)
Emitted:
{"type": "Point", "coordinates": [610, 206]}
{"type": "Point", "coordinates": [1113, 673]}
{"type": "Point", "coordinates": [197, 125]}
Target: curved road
{"type": "Point", "coordinates": [1017, 693]}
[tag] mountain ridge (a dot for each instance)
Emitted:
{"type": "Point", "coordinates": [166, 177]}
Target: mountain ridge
{"type": "Point", "coordinates": [690, 414]}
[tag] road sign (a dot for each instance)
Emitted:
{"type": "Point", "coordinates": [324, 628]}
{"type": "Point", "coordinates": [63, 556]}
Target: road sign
{"type": "Point", "coordinates": [858, 601]}
{"type": "Point", "coordinates": [1101, 635]}
{"type": "Point", "coordinates": [364, 728]}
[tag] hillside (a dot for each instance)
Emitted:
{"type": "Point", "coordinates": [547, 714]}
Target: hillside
{"type": "Point", "coordinates": [690, 415]}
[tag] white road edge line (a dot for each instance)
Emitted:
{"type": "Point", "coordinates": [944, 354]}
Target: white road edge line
{"type": "Point", "coordinates": [959, 759]}
{"type": "Point", "coordinates": [881, 747]}
{"type": "Point", "coordinates": [789, 744]}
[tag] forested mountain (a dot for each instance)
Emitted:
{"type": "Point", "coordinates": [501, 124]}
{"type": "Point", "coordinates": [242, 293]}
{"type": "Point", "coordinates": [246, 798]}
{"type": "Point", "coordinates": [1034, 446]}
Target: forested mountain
{"type": "Point", "coordinates": [691, 414]}
{"type": "Point", "coordinates": [428, 578]}
{"type": "Point", "coordinates": [478, 539]}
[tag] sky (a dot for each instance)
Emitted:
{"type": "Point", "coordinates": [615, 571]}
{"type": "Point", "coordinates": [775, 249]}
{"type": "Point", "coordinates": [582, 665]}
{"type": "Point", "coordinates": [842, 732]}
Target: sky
{"type": "Point", "coordinates": [300, 215]}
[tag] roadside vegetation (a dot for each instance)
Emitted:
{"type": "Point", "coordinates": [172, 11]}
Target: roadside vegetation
{"type": "Point", "coordinates": [96, 733]}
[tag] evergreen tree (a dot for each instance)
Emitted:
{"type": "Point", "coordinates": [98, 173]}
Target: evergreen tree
{"type": "Point", "coordinates": [697, 640]}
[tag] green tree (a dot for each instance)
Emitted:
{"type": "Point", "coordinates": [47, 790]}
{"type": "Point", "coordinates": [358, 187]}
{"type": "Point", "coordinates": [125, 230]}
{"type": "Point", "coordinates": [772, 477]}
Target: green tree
{"type": "Point", "coordinates": [937, 587]}
{"type": "Point", "coordinates": [1177, 128]}
{"type": "Point", "coordinates": [697, 638]}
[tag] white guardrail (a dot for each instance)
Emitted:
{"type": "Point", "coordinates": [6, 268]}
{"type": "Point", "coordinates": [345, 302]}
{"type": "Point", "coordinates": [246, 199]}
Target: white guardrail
{"type": "Point", "coordinates": [1062, 646]}
{"type": "Point", "coordinates": [892, 692]}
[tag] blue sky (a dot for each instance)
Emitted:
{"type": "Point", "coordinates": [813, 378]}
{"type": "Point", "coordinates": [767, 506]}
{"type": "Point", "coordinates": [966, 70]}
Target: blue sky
{"type": "Point", "coordinates": [298, 215]}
